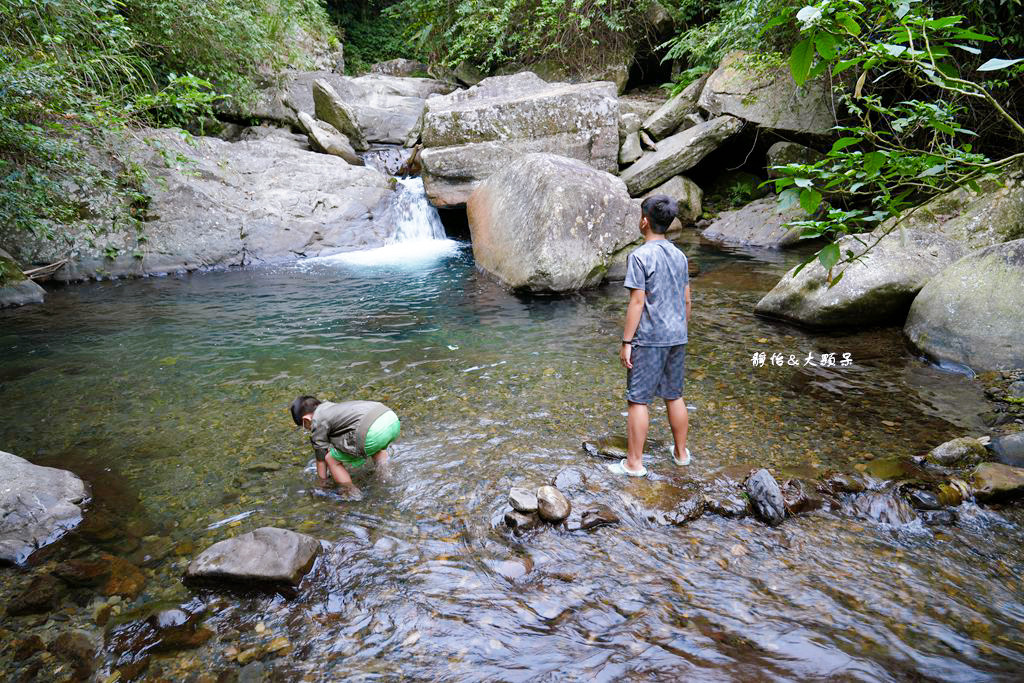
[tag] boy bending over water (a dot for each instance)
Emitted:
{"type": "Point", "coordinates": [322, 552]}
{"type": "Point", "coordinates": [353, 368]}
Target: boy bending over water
{"type": "Point", "coordinates": [346, 434]}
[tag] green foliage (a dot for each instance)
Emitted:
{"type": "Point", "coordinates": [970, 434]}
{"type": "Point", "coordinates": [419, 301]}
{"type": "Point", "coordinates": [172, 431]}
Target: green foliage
{"type": "Point", "coordinates": [897, 151]}
{"type": "Point", "coordinates": [370, 36]}
{"type": "Point", "coordinates": [713, 29]}
{"type": "Point", "coordinates": [71, 71]}
{"type": "Point", "coordinates": [490, 33]}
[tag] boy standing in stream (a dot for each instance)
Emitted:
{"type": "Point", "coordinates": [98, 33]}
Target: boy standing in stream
{"type": "Point", "coordinates": [654, 339]}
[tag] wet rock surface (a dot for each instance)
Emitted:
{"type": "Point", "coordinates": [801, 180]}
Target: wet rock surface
{"type": "Point", "coordinates": [993, 481]}
{"type": "Point", "coordinates": [766, 497]}
{"type": "Point", "coordinates": [1009, 449]}
{"type": "Point", "coordinates": [552, 505]}
{"type": "Point", "coordinates": [571, 480]}
{"type": "Point", "coordinates": [40, 595]}
{"type": "Point", "coordinates": [960, 452]}
{"type": "Point", "coordinates": [522, 500]}
{"type": "Point", "coordinates": [266, 555]}
{"type": "Point", "coordinates": [38, 505]}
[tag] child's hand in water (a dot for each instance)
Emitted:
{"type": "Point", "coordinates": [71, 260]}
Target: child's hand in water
{"type": "Point", "coordinates": [350, 492]}
{"type": "Point", "coordinates": [384, 472]}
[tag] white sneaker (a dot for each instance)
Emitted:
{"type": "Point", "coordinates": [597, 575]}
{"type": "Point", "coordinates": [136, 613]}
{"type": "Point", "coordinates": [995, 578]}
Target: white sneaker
{"type": "Point", "coordinates": [681, 462]}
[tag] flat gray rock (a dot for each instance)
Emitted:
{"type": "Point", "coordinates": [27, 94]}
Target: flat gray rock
{"type": "Point", "coordinates": [522, 500]}
{"type": "Point", "coordinates": [38, 505]}
{"type": "Point", "coordinates": [266, 555]}
{"type": "Point", "coordinates": [761, 223]}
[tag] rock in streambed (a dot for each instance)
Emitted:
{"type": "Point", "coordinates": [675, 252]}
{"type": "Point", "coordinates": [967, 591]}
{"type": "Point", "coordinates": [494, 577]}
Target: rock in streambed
{"type": "Point", "coordinates": [38, 505]}
{"type": "Point", "coordinates": [267, 555]}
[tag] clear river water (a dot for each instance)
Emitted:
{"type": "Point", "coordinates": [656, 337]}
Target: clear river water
{"type": "Point", "coordinates": [170, 396]}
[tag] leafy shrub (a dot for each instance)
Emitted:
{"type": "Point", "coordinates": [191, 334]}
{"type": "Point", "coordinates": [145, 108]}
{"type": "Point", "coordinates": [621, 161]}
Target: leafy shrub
{"type": "Point", "coordinates": [490, 33]}
{"type": "Point", "coordinates": [73, 70]}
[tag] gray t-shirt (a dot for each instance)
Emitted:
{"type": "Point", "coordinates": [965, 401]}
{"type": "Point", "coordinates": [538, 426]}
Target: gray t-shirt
{"type": "Point", "coordinates": [659, 268]}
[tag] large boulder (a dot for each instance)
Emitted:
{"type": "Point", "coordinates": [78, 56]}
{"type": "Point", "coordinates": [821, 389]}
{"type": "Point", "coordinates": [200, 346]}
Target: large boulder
{"type": "Point", "coordinates": [471, 134]}
{"type": "Point", "coordinates": [229, 204]}
{"type": "Point", "coordinates": [550, 224]}
{"type": "Point", "coordinates": [875, 290]}
{"type": "Point", "coordinates": [687, 194]}
{"type": "Point", "coordinates": [768, 97]}
{"type": "Point", "coordinates": [784, 153]}
{"type": "Point", "coordinates": [386, 108]}
{"type": "Point", "coordinates": [38, 505]}
{"type": "Point", "coordinates": [762, 223]}
{"type": "Point", "coordinates": [975, 219]}
{"type": "Point", "coordinates": [972, 313]}
{"type": "Point", "coordinates": [678, 153]}
{"type": "Point", "coordinates": [325, 138]}
{"type": "Point", "coordinates": [671, 115]}
{"type": "Point", "coordinates": [331, 108]}
{"type": "Point", "coordinates": [15, 288]}
{"type": "Point", "coordinates": [266, 555]}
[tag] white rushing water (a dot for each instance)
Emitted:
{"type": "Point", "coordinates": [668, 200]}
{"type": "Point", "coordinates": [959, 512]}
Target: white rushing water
{"type": "Point", "coordinates": [418, 238]}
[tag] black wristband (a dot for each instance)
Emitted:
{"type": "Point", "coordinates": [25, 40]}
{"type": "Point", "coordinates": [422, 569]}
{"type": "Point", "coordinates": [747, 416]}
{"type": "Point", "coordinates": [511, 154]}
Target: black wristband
{"type": "Point", "coordinates": [627, 341]}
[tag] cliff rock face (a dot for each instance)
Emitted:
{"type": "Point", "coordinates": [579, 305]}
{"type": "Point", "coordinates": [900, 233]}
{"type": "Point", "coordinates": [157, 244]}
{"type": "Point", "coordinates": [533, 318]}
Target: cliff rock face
{"type": "Point", "coordinates": [216, 204]}
{"type": "Point", "coordinates": [550, 224]}
{"type": "Point", "coordinates": [471, 134]}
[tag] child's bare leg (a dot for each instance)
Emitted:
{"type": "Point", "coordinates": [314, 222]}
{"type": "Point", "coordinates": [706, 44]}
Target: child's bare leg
{"type": "Point", "coordinates": [679, 422]}
{"type": "Point", "coordinates": [321, 471]}
{"type": "Point", "coordinates": [382, 464]}
{"type": "Point", "coordinates": [637, 421]}
{"type": "Point", "coordinates": [343, 479]}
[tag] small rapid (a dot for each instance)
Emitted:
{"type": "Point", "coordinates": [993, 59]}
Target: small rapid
{"type": "Point", "coordinates": [418, 239]}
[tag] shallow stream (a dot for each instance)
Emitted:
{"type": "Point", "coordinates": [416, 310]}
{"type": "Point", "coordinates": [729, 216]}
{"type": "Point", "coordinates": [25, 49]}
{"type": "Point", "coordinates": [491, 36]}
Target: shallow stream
{"type": "Point", "coordinates": [170, 396]}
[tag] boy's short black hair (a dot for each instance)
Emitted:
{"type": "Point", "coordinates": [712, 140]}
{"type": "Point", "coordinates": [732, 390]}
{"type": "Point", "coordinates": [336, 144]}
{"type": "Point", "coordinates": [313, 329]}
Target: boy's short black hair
{"type": "Point", "coordinates": [660, 210]}
{"type": "Point", "coordinates": [303, 405]}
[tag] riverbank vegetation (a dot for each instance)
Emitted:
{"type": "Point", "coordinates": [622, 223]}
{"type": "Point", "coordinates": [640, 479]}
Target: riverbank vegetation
{"type": "Point", "coordinates": [78, 71]}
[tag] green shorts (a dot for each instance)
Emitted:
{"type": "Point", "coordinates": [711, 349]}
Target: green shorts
{"type": "Point", "coordinates": [381, 433]}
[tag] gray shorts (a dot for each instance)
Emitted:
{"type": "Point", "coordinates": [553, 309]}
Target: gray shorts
{"type": "Point", "coordinates": [657, 371]}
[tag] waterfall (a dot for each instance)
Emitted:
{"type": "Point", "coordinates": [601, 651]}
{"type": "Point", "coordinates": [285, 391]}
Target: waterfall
{"type": "Point", "coordinates": [416, 219]}
{"type": "Point", "coordinates": [418, 237]}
